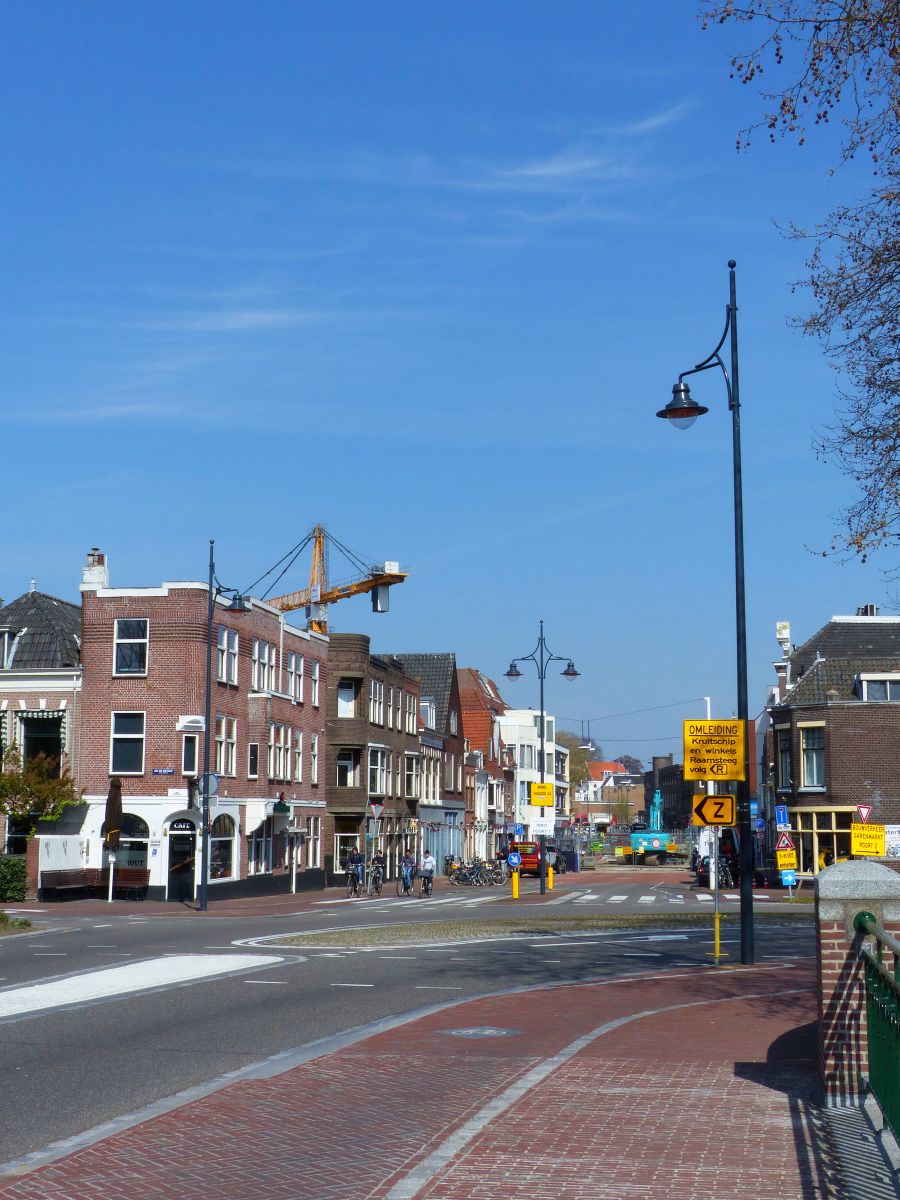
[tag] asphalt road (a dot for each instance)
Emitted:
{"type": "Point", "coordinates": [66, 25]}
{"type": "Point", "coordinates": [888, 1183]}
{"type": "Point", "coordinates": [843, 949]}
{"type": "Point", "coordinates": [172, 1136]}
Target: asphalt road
{"type": "Point", "coordinates": [73, 1067]}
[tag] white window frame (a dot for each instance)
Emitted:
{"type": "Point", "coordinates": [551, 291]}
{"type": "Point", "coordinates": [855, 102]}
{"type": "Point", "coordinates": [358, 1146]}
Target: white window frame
{"type": "Point", "coordinates": [226, 746]}
{"type": "Point", "coordinates": [251, 774]}
{"type": "Point", "coordinates": [818, 751]}
{"type": "Point", "coordinates": [377, 771]}
{"type": "Point", "coordinates": [890, 681]}
{"type": "Point", "coordinates": [412, 775]}
{"type": "Point", "coordinates": [314, 682]}
{"type": "Point", "coordinates": [127, 737]}
{"type": "Point", "coordinates": [389, 723]}
{"type": "Point", "coordinates": [347, 691]}
{"type": "Point", "coordinates": [314, 759]}
{"type": "Point", "coordinates": [411, 723]}
{"type": "Point", "coordinates": [289, 670]}
{"type": "Point", "coordinates": [227, 655]}
{"type": "Point", "coordinates": [313, 841]}
{"type": "Point", "coordinates": [187, 740]}
{"type": "Point", "coordinates": [279, 745]}
{"type": "Point", "coordinates": [376, 702]}
{"type": "Point", "coordinates": [347, 757]}
{"type": "Point", "coordinates": [123, 641]}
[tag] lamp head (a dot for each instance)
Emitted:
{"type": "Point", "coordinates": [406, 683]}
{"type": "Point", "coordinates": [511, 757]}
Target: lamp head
{"type": "Point", "coordinates": [238, 604]}
{"type": "Point", "coordinates": [513, 672]}
{"type": "Point", "coordinates": [681, 410]}
{"type": "Point", "coordinates": [570, 672]}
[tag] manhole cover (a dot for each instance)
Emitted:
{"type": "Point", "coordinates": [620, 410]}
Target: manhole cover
{"type": "Point", "coordinates": [482, 1031]}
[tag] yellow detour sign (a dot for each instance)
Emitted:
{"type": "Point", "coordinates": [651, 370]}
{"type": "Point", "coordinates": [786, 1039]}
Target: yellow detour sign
{"type": "Point", "coordinates": [867, 840]}
{"type": "Point", "coordinates": [786, 860]}
{"type": "Point", "coordinates": [714, 750]}
{"type": "Point", "coordinates": [712, 810]}
{"type": "Point", "coordinates": [542, 794]}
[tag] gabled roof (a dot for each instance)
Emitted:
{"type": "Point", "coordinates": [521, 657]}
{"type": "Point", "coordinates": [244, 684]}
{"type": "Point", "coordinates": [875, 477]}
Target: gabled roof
{"type": "Point", "coordinates": [477, 691]}
{"type": "Point", "coordinates": [435, 673]}
{"type": "Point", "coordinates": [835, 675]}
{"type": "Point", "coordinates": [848, 637]}
{"type": "Point", "coordinates": [597, 770]}
{"type": "Point", "coordinates": [45, 632]}
{"type": "Point", "coordinates": [831, 659]}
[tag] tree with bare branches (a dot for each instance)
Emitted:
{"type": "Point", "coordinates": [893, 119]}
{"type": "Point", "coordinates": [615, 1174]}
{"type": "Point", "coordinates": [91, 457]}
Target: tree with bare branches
{"type": "Point", "coordinates": [841, 59]}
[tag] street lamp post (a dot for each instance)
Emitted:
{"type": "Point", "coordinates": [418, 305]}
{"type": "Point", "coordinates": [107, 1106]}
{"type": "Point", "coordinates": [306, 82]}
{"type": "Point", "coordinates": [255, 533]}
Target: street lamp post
{"type": "Point", "coordinates": [237, 605]}
{"type": "Point", "coordinates": [542, 658]}
{"type": "Point", "coordinates": [682, 411]}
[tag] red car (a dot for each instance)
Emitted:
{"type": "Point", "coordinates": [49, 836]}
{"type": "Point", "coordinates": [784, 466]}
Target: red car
{"type": "Point", "coordinates": [531, 856]}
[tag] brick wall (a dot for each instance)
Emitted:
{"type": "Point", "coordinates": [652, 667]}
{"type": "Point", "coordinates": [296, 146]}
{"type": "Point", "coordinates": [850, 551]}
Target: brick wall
{"type": "Point", "coordinates": [841, 892]}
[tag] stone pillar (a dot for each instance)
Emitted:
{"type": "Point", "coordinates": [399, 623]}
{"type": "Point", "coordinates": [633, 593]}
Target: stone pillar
{"type": "Point", "coordinates": [841, 892]}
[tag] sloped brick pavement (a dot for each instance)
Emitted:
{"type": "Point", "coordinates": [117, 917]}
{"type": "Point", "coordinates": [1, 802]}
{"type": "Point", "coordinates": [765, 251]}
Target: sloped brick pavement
{"type": "Point", "coordinates": [689, 1086]}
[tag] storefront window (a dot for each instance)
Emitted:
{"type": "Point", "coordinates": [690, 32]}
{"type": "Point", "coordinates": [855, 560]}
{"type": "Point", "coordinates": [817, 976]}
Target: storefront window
{"type": "Point", "coordinates": [221, 848]}
{"type": "Point", "coordinates": [133, 839]}
{"type": "Point", "coordinates": [823, 838]}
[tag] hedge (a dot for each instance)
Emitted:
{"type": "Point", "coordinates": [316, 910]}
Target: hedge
{"type": "Point", "coordinates": [12, 877]}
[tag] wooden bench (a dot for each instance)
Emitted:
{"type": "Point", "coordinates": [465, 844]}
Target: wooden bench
{"type": "Point", "coordinates": [133, 881]}
{"type": "Point", "coordinates": [76, 879]}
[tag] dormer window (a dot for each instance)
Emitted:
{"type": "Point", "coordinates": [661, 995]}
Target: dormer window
{"type": "Point", "coordinates": [879, 687]}
{"type": "Point", "coordinates": [5, 640]}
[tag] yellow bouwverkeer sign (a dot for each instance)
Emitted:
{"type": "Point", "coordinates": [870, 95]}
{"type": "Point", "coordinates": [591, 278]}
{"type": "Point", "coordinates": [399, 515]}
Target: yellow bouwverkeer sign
{"type": "Point", "coordinates": [714, 750]}
{"type": "Point", "coordinates": [867, 840]}
{"type": "Point", "coordinates": [542, 794]}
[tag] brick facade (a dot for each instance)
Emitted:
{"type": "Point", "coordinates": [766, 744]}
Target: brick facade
{"type": "Point", "coordinates": [372, 756]}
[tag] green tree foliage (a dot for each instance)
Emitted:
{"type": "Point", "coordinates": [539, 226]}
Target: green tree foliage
{"type": "Point", "coordinates": [34, 791]}
{"type": "Point", "coordinates": [840, 58]}
{"type": "Point", "coordinates": [578, 757]}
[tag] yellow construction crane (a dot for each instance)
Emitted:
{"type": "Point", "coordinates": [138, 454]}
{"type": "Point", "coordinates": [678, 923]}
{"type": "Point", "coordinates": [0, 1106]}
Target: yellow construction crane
{"type": "Point", "coordinates": [375, 578]}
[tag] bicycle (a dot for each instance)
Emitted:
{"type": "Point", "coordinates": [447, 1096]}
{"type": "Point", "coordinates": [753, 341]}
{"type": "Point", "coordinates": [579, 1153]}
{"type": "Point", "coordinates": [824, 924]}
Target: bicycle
{"type": "Point", "coordinates": [376, 880]}
{"type": "Point", "coordinates": [426, 888]}
{"type": "Point", "coordinates": [354, 886]}
{"type": "Point", "coordinates": [404, 884]}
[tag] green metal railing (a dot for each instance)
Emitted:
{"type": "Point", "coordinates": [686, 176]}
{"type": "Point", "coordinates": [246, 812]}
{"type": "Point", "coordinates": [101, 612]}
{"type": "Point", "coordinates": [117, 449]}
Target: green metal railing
{"type": "Point", "coordinates": [882, 1018]}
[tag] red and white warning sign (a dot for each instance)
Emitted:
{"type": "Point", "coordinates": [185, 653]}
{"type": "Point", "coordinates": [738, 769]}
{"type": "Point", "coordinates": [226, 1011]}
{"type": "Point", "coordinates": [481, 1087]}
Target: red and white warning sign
{"type": "Point", "coordinates": [863, 811]}
{"type": "Point", "coordinates": [784, 842]}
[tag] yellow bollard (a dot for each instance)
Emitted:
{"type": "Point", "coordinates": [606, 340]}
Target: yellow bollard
{"type": "Point", "coordinates": [515, 885]}
{"type": "Point", "coordinates": [549, 879]}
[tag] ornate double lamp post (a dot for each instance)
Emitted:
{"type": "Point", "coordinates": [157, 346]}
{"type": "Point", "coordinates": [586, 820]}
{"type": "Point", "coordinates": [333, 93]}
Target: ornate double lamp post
{"type": "Point", "coordinates": [683, 411]}
{"type": "Point", "coordinates": [209, 783]}
{"type": "Point", "coordinates": [542, 658]}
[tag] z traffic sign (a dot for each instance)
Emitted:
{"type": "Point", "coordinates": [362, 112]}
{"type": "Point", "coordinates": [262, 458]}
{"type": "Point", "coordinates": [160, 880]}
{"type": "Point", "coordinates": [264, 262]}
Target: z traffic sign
{"type": "Point", "coordinates": [712, 810]}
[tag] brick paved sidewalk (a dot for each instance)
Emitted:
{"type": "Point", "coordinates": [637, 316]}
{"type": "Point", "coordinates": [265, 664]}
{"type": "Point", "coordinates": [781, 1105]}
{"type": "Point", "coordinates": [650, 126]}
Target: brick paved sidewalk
{"type": "Point", "coordinates": [687, 1085]}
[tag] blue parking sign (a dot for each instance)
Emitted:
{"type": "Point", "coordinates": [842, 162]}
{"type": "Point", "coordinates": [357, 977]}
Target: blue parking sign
{"type": "Point", "coordinates": [788, 879]}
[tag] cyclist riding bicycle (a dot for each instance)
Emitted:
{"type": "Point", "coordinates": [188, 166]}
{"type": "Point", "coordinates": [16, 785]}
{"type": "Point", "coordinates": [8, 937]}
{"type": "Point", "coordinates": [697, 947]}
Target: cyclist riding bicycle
{"type": "Point", "coordinates": [355, 864]}
{"type": "Point", "coordinates": [407, 866]}
{"type": "Point", "coordinates": [426, 870]}
{"type": "Point", "coordinates": [377, 871]}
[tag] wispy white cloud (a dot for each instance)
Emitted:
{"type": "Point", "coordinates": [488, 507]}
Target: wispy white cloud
{"type": "Point", "coordinates": [656, 121]}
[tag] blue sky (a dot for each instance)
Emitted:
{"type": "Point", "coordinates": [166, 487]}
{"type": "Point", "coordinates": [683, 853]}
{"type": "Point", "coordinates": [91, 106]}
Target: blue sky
{"type": "Point", "coordinates": [423, 273]}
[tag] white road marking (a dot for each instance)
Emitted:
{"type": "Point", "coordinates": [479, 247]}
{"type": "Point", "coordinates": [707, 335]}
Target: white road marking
{"type": "Point", "coordinates": [550, 960]}
{"type": "Point", "coordinates": [122, 981]}
{"type": "Point", "coordinates": [676, 899]}
{"type": "Point", "coordinates": [279, 982]}
{"type": "Point", "coordinates": [730, 896]}
{"type": "Point", "coordinates": [704, 896]}
{"type": "Point", "coordinates": [371, 985]}
{"type": "Point", "coordinates": [568, 896]}
{"type": "Point", "coordinates": [646, 899]}
{"type": "Point", "coordinates": [762, 897]}
{"type": "Point", "coordinates": [436, 987]}
{"type": "Point", "coordinates": [616, 899]}
{"type": "Point", "coordinates": [25, 910]}
{"type": "Point", "coordinates": [107, 926]}
{"type": "Point", "coordinates": [641, 954]}
{"type": "Point", "coordinates": [404, 957]}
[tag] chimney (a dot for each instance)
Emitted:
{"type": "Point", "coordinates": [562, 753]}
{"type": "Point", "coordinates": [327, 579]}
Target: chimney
{"type": "Point", "coordinates": [867, 610]}
{"type": "Point", "coordinates": [95, 574]}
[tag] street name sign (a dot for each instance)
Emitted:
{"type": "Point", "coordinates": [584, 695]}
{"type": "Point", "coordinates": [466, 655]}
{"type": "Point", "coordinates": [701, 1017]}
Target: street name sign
{"type": "Point", "coordinates": [542, 795]}
{"type": "Point", "coordinates": [867, 840]}
{"type": "Point", "coordinates": [864, 811]}
{"type": "Point", "coordinates": [712, 810]}
{"type": "Point", "coordinates": [786, 860]}
{"type": "Point", "coordinates": [714, 750]}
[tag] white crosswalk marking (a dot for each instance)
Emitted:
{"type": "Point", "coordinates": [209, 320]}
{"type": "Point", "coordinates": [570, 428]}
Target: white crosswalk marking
{"type": "Point", "coordinates": [730, 896]}
{"type": "Point", "coordinates": [704, 896]}
{"type": "Point", "coordinates": [676, 899]}
{"type": "Point", "coordinates": [616, 899]}
{"type": "Point", "coordinates": [646, 899]}
{"type": "Point", "coordinates": [566, 897]}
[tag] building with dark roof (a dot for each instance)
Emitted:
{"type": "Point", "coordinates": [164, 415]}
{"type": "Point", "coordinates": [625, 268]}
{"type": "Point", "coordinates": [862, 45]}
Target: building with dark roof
{"type": "Point", "coordinates": [442, 803]}
{"type": "Point", "coordinates": [40, 685]}
{"type": "Point", "coordinates": [834, 741]}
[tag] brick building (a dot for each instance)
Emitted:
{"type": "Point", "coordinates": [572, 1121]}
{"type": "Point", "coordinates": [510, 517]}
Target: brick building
{"type": "Point", "coordinates": [40, 686]}
{"type": "Point", "coordinates": [373, 755]}
{"type": "Point", "coordinates": [491, 810]}
{"type": "Point", "coordinates": [442, 742]}
{"type": "Point", "coordinates": [143, 654]}
{"type": "Point", "coordinates": [834, 740]}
